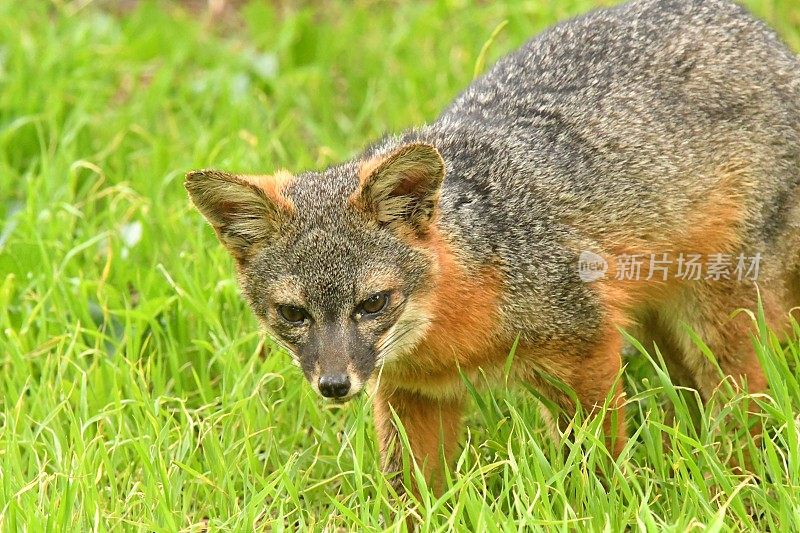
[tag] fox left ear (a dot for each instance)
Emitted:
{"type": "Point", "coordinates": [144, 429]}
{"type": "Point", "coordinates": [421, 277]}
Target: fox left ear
{"type": "Point", "coordinates": [403, 187]}
{"type": "Point", "coordinates": [245, 211]}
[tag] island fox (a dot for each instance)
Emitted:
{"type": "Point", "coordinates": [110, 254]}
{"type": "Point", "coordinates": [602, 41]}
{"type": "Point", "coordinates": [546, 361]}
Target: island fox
{"type": "Point", "coordinates": [561, 198]}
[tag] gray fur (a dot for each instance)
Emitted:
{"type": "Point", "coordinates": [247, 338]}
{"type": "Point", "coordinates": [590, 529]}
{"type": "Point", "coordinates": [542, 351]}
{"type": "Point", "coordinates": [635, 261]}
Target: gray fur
{"type": "Point", "coordinates": [608, 124]}
{"type": "Point", "coordinates": [612, 121]}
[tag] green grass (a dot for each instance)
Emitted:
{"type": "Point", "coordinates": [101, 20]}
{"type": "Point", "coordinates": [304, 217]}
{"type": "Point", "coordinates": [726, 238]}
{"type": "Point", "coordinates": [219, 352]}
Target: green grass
{"type": "Point", "coordinates": [133, 394]}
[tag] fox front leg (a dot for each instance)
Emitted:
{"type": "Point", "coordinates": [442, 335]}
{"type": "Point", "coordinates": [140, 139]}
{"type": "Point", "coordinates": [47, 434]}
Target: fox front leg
{"type": "Point", "coordinates": [431, 425]}
{"type": "Point", "coordinates": [594, 377]}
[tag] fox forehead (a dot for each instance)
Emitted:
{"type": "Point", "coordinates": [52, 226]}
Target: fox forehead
{"type": "Point", "coordinates": [333, 266]}
{"type": "Point", "coordinates": [322, 192]}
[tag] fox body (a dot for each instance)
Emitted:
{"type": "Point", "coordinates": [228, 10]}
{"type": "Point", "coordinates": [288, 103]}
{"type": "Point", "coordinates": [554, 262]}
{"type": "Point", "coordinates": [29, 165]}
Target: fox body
{"type": "Point", "coordinates": [656, 127]}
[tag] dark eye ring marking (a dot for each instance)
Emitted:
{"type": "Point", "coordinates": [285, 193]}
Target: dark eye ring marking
{"type": "Point", "coordinates": [295, 316]}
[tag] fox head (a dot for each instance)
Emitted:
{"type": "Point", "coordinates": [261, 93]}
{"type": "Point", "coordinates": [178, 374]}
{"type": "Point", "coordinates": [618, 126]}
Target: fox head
{"type": "Point", "coordinates": [335, 263]}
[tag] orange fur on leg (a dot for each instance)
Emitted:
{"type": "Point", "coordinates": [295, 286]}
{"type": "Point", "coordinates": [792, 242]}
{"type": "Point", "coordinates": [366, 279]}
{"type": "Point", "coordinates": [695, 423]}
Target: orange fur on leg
{"type": "Point", "coordinates": [592, 376]}
{"type": "Point", "coordinates": [431, 425]}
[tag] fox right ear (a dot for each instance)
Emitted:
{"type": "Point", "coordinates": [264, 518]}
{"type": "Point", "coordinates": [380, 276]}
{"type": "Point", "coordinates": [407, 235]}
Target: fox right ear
{"type": "Point", "coordinates": [401, 189]}
{"type": "Point", "coordinates": [243, 210]}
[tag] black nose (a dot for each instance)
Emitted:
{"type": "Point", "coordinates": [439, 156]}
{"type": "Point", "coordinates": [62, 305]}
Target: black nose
{"type": "Point", "coordinates": [334, 385]}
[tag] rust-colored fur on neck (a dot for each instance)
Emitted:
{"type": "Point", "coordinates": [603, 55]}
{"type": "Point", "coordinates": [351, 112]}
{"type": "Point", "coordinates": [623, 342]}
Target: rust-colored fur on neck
{"type": "Point", "coordinates": [463, 308]}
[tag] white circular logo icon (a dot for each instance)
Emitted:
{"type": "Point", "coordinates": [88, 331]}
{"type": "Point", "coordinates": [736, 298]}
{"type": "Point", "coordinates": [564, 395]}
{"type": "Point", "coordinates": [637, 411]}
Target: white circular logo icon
{"type": "Point", "coordinates": [591, 266]}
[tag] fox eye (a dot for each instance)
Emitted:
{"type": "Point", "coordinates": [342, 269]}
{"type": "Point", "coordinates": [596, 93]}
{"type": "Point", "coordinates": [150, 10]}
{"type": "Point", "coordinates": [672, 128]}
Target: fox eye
{"type": "Point", "coordinates": [374, 304]}
{"type": "Point", "coordinates": [293, 315]}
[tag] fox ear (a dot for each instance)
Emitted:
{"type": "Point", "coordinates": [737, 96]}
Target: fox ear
{"type": "Point", "coordinates": [243, 210]}
{"type": "Point", "coordinates": [403, 187]}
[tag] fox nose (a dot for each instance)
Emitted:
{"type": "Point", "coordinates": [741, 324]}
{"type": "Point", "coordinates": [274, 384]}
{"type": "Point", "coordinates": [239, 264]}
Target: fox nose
{"type": "Point", "coordinates": [334, 385]}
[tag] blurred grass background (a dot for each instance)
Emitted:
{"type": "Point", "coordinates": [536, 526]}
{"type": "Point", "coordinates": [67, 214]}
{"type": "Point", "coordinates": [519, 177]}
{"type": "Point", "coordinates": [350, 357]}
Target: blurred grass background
{"type": "Point", "coordinates": [133, 393]}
